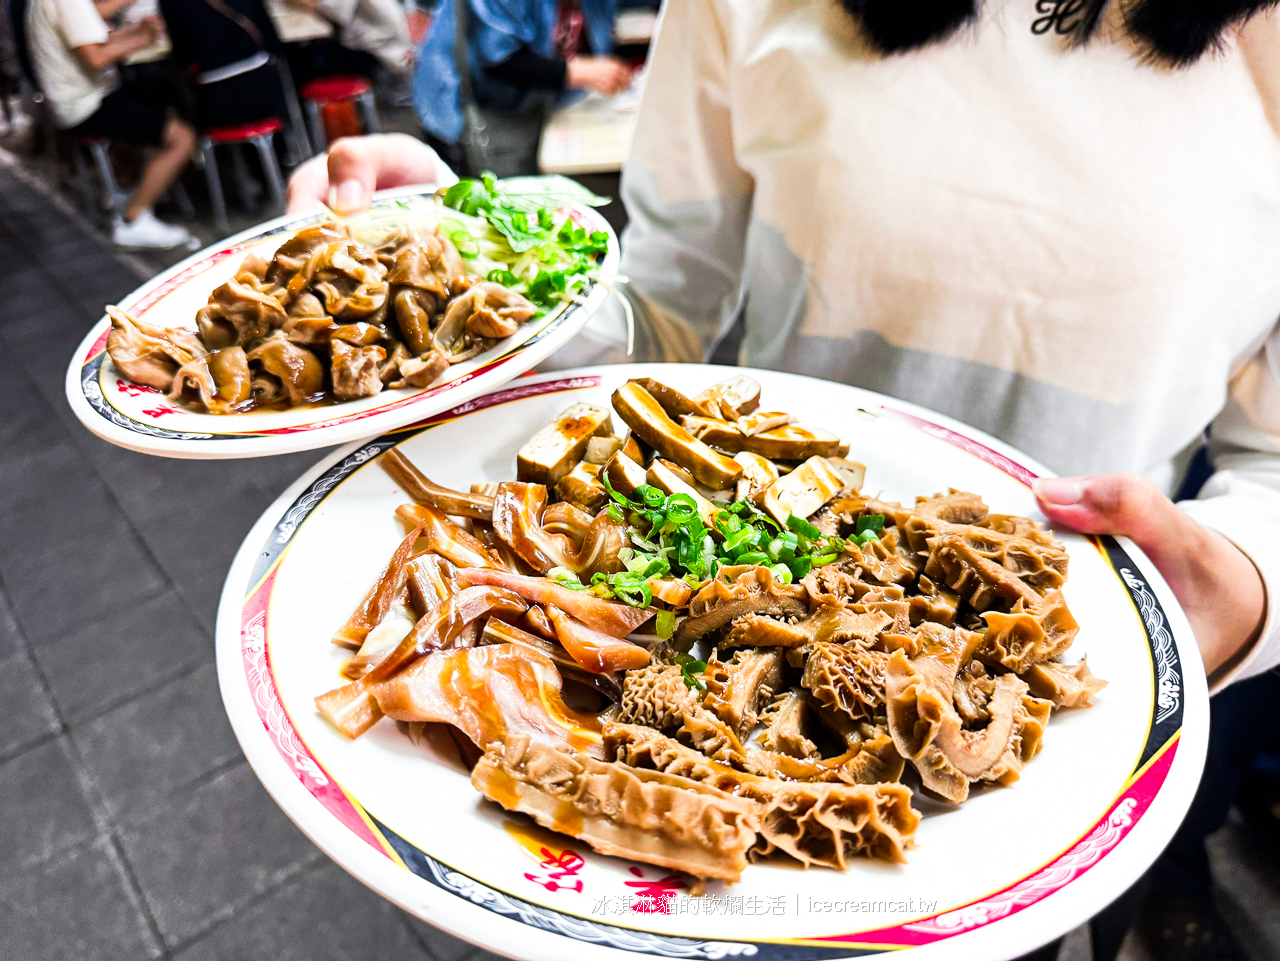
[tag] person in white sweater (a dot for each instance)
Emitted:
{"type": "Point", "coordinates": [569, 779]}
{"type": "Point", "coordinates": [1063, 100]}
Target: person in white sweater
{"type": "Point", "coordinates": [1056, 221]}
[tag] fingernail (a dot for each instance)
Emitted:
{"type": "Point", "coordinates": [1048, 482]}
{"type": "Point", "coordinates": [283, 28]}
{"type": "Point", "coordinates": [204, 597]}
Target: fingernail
{"type": "Point", "coordinates": [347, 196]}
{"type": "Point", "coordinates": [1063, 491]}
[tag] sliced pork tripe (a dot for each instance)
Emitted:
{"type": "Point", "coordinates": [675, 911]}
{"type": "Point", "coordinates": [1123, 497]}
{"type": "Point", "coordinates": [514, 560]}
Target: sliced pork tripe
{"type": "Point", "coordinates": [736, 592]}
{"type": "Point", "coordinates": [928, 731]}
{"type": "Point", "coordinates": [428, 581]}
{"type": "Point", "coordinates": [608, 684]}
{"type": "Point", "coordinates": [646, 816]}
{"type": "Point", "coordinates": [616, 620]}
{"type": "Point", "coordinates": [446, 538]}
{"type": "Point", "coordinates": [377, 600]}
{"type": "Point", "coordinates": [594, 650]}
{"type": "Point", "coordinates": [489, 693]}
{"type": "Point", "coordinates": [352, 708]}
{"type": "Point", "coordinates": [558, 447]}
{"type": "Point", "coordinates": [148, 354]}
{"type": "Point", "coordinates": [824, 823]}
{"type": "Point", "coordinates": [517, 512]}
{"type": "Point", "coordinates": [650, 423]}
{"type": "Point", "coordinates": [425, 491]}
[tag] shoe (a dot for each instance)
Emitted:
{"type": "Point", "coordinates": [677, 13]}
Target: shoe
{"type": "Point", "coordinates": [145, 232]}
{"type": "Point", "coordinates": [1187, 929]}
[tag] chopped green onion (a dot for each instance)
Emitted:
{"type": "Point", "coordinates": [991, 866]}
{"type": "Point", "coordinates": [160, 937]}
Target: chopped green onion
{"type": "Point", "coordinates": [781, 573]}
{"type": "Point", "coordinates": [820, 559]}
{"type": "Point", "coordinates": [681, 508]}
{"type": "Point", "coordinates": [869, 522]}
{"type": "Point", "coordinates": [802, 526]}
{"type": "Point", "coordinates": [800, 566]}
{"type": "Point", "coordinates": [650, 496]}
{"type": "Point", "coordinates": [566, 578]}
{"type": "Point", "coordinates": [665, 624]}
{"type": "Point", "coordinates": [752, 557]}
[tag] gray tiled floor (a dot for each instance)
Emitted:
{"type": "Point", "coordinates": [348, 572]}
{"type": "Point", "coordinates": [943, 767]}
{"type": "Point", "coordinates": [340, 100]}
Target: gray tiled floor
{"type": "Point", "coordinates": [130, 825]}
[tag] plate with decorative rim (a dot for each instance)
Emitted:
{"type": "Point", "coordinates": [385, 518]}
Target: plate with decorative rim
{"type": "Point", "coordinates": [1006, 872]}
{"type": "Point", "coordinates": [144, 419]}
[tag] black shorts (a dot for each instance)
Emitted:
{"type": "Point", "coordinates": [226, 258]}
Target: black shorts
{"type": "Point", "coordinates": [136, 114]}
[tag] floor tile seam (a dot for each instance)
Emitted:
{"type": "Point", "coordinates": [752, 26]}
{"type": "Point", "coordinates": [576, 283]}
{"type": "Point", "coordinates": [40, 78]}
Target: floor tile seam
{"type": "Point", "coordinates": [183, 669]}
{"type": "Point", "coordinates": [282, 879]}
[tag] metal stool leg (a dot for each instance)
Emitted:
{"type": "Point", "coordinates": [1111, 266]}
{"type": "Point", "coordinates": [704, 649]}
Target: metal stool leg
{"type": "Point", "coordinates": [113, 195]}
{"type": "Point", "coordinates": [183, 201]}
{"type": "Point", "coordinates": [83, 181]}
{"type": "Point", "coordinates": [316, 123]}
{"type": "Point", "coordinates": [246, 188]}
{"type": "Point", "coordinates": [215, 186]}
{"type": "Point", "coordinates": [271, 169]}
{"type": "Point", "coordinates": [369, 108]}
{"type": "Point", "coordinates": [299, 147]}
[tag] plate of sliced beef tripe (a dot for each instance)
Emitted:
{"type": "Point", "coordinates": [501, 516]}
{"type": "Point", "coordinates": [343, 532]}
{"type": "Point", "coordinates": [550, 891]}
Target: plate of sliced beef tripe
{"type": "Point", "coordinates": [313, 330]}
{"type": "Point", "coordinates": [702, 662]}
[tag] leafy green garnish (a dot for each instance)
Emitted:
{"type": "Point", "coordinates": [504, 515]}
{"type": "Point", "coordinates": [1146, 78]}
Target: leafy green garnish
{"type": "Point", "coordinates": [551, 255]}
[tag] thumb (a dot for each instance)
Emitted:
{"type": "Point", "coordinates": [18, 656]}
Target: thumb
{"type": "Point", "coordinates": [353, 176]}
{"type": "Point", "coordinates": [360, 165]}
{"type": "Point", "coordinates": [1123, 504]}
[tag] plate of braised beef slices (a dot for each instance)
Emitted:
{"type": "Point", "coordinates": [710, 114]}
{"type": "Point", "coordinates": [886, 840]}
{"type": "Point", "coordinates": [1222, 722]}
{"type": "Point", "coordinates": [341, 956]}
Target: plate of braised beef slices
{"type": "Point", "coordinates": [315, 330]}
{"type": "Point", "coordinates": [706, 662]}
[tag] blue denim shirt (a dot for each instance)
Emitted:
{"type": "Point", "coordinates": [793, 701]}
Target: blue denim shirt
{"type": "Point", "coordinates": [498, 28]}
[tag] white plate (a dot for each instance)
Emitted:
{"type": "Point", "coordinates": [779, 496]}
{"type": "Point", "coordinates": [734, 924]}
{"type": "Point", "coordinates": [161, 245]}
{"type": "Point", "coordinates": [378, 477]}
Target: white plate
{"type": "Point", "coordinates": [1010, 870]}
{"type": "Point", "coordinates": [143, 419]}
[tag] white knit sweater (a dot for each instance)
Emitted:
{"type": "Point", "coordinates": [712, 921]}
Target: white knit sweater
{"type": "Point", "coordinates": [1067, 247]}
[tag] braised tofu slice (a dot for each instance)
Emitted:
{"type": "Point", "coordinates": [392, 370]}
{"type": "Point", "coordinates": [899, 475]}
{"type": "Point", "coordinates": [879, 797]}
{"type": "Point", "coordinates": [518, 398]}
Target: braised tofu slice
{"type": "Point", "coordinates": [624, 474]}
{"type": "Point", "coordinates": [806, 489]}
{"type": "Point", "coordinates": [669, 399]}
{"type": "Point", "coordinates": [757, 474]}
{"type": "Point", "coordinates": [583, 488]}
{"type": "Point", "coordinates": [650, 422]}
{"type": "Point", "coordinates": [600, 449]}
{"type": "Point", "coordinates": [789, 443]}
{"type": "Point", "coordinates": [555, 449]}
{"type": "Point", "coordinates": [732, 398]}
{"type": "Point", "coordinates": [762, 420]}
{"type": "Point", "coordinates": [666, 477]}
{"type": "Point", "coordinates": [637, 451]}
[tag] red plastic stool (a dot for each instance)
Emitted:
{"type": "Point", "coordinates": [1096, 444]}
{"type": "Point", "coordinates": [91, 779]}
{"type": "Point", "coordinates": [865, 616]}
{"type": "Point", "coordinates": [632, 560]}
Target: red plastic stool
{"type": "Point", "coordinates": [325, 90]}
{"type": "Point", "coordinates": [258, 134]}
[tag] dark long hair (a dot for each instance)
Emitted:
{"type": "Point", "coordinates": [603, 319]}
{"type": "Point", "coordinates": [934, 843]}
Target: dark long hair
{"type": "Point", "coordinates": [1177, 32]}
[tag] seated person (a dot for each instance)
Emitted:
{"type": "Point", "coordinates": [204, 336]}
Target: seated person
{"type": "Point", "coordinates": [229, 45]}
{"type": "Point", "coordinates": [73, 57]}
{"type": "Point", "coordinates": [522, 56]}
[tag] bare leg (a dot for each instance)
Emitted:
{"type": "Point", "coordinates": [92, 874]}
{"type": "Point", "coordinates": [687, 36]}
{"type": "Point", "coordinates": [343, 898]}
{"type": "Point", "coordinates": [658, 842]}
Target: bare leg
{"type": "Point", "coordinates": [163, 167]}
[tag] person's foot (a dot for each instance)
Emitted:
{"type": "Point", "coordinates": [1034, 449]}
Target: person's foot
{"type": "Point", "coordinates": [1187, 929]}
{"type": "Point", "coordinates": [147, 232]}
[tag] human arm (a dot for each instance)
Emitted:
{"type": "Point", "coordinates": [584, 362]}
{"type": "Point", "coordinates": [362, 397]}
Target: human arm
{"type": "Point", "coordinates": [120, 44]}
{"type": "Point", "coordinates": [1220, 553]}
{"type": "Point", "coordinates": [109, 8]}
